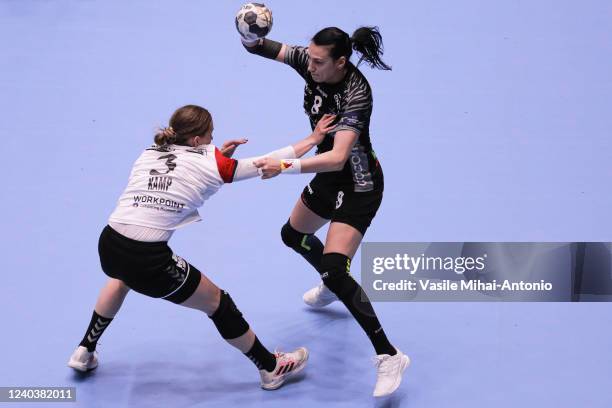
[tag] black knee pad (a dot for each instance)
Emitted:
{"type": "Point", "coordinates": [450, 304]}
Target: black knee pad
{"type": "Point", "coordinates": [228, 318]}
{"type": "Point", "coordinates": [294, 239]}
{"type": "Point", "coordinates": [307, 245]}
{"type": "Point", "coordinates": [335, 274]}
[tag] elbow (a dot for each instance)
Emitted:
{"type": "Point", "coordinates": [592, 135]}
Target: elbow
{"type": "Point", "coordinates": [339, 166]}
{"type": "Point", "coordinates": [338, 162]}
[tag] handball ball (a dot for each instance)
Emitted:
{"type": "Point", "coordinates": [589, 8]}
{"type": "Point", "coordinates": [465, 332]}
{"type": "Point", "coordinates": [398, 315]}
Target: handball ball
{"type": "Point", "coordinates": [253, 21]}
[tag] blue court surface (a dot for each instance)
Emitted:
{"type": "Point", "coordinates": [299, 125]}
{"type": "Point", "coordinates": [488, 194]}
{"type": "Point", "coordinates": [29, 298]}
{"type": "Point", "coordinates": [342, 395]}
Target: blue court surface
{"type": "Point", "coordinates": [494, 125]}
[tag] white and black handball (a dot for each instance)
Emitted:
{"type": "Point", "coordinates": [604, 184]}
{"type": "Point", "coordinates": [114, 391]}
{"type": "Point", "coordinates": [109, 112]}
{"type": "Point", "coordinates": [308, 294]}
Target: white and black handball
{"type": "Point", "coordinates": [253, 21]}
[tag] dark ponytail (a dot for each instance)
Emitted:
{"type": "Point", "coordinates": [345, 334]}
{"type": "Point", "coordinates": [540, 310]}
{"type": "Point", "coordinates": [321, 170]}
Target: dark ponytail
{"type": "Point", "coordinates": [365, 40]}
{"type": "Point", "coordinates": [368, 42]}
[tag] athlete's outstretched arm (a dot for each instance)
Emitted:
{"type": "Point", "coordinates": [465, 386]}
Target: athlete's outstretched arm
{"type": "Point", "coordinates": [333, 160]}
{"type": "Point", "coordinates": [243, 169]}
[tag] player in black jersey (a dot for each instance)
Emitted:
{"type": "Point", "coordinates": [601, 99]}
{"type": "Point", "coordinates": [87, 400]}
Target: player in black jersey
{"type": "Point", "coordinates": [348, 187]}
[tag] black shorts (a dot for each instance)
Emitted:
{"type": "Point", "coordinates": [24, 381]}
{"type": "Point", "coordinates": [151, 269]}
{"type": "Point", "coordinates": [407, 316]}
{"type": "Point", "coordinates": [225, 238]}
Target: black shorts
{"type": "Point", "coordinates": [340, 203]}
{"type": "Point", "coordinates": [149, 268]}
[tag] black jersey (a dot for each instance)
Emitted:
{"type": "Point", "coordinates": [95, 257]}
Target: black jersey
{"type": "Point", "coordinates": [351, 101]}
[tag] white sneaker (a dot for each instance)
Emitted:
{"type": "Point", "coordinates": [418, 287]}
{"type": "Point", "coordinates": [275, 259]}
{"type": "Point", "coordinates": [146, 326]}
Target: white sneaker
{"type": "Point", "coordinates": [319, 296]}
{"type": "Point", "coordinates": [287, 364]}
{"type": "Point", "coordinates": [83, 360]}
{"type": "Point", "coordinates": [389, 372]}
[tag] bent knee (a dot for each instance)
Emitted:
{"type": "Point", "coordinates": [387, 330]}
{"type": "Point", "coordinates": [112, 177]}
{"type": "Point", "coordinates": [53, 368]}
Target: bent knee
{"type": "Point", "coordinates": [290, 236]}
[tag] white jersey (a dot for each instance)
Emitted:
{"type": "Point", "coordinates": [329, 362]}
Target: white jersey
{"type": "Point", "coordinates": [168, 184]}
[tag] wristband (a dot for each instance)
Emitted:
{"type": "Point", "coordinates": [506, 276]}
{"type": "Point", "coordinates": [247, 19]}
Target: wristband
{"type": "Point", "coordinates": [249, 42]}
{"type": "Point", "coordinates": [291, 166]}
{"type": "Point", "coordinates": [264, 47]}
{"type": "Point", "coordinates": [284, 153]}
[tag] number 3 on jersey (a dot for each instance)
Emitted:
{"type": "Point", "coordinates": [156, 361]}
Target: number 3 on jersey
{"type": "Point", "coordinates": [318, 101]}
{"type": "Point", "coordinates": [169, 163]}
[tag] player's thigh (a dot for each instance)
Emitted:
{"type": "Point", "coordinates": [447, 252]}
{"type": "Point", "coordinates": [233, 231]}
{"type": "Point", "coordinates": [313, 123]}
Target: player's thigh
{"type": "Point", "coordinates": [350, 220]}
{"type": "Point", "coordinates": [343, 239]}
{"type": "Point", "coordinates": [116, 287]}
{"type": "Point", "coordinates": [304, 220]}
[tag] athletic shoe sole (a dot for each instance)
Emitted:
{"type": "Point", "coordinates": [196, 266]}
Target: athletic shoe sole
{"type": "Point", "coordinates": [320, 304]}
{"type": "Point", "coordinates": [82, 367]}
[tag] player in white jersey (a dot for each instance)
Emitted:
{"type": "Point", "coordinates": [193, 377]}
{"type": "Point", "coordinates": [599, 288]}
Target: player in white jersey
{"type": "Point", "coordinates": [167, 184]}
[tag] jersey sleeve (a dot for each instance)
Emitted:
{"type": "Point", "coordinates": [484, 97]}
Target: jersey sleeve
{"type": "Point", "coordinates": [355, 115]}
{"type": "Point", "coordinates": [297, 58]}
{"type": "Point", "coordinates": [226, 166]}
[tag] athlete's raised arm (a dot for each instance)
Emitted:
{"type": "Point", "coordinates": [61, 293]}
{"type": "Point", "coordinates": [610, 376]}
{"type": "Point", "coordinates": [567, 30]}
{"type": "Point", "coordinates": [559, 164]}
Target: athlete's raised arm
{"type": "Point", "coordinates": [266, 48]}
{"type": "Point", "coordinates": [254, 22]}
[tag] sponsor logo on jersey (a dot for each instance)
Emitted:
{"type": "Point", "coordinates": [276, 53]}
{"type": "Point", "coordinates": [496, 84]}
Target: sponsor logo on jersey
{"type": "Point", "coordinates": [361, 169]}
{"type": "Point", "coordinates": [180, 262]}
{"type": "Point", "coordinates": [157, 203]}
{"type": "Point", "coordinates": [350, 121]}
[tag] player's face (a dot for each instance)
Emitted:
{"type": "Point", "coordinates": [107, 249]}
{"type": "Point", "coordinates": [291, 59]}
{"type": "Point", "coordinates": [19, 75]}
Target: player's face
{"type": "Point", "coordinates": [321, 65]}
